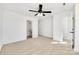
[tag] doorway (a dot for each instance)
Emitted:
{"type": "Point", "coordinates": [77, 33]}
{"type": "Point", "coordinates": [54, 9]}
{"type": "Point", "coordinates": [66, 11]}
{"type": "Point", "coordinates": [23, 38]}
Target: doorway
{"type": "Point", "coordinates": [29, 29]}
{"type": "Point", "coordinates": [32, 28]}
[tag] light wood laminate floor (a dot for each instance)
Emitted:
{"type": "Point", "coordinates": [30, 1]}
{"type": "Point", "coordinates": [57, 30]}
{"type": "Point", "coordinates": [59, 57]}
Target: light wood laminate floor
{"type": "Point", "coordinates": [37, 46]}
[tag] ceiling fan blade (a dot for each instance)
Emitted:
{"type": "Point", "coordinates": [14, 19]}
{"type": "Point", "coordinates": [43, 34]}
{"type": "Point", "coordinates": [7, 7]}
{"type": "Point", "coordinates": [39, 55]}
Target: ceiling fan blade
{"type": "Point", "coordinates": [43, 14]}
{"type": "Point", "coordinates": [40, 7]}
{"type": "Point", "coordinates": [46, 12]}
{"type": "Point", "coordinates": [33, 11]}
{"type": "Point", "coordinates": [36, 14]}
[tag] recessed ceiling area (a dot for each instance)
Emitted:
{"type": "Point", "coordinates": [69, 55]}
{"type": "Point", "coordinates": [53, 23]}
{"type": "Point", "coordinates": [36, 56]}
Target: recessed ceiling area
{"type": "Point", "coordinates": [24, 7]}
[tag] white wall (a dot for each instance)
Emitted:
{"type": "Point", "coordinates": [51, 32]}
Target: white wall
{"type": "Point", "coordinates": [57, 28]}
{"type": "Point", "coordinates": [1, 19]}
{"type": "Point", "coordinates": [76, 28]}
{"type": "Point", "coordinates": [14, 27]}
{"type": "Point", "coordinates": [45, 26]}
{"type": "Point", "coordinates": [62, 25]}
{"type": "Point", "coordinates": [35, 28]}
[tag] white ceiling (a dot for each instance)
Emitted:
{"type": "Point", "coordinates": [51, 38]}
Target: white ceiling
{"type": "Point", "coordinates": [24, 7]}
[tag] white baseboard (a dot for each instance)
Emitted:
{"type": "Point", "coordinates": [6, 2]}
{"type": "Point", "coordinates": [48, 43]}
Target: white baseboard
{"type": "Point", "coordinates": [58, 42]}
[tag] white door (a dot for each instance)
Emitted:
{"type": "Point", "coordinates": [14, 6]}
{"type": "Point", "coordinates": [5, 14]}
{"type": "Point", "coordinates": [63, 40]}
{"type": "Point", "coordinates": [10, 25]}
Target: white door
{"type": "Point", "coordinates": [69, 28]}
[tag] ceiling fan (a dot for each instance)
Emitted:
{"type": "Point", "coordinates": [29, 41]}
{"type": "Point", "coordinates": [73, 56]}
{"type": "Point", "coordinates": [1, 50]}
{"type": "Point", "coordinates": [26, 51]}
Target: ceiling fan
{"type": "Point", "coordinates": [40, 11]}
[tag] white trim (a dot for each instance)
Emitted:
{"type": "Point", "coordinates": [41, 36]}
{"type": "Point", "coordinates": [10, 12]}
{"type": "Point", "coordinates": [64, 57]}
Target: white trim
{"type": "Point", "coordinates": [58, 42]}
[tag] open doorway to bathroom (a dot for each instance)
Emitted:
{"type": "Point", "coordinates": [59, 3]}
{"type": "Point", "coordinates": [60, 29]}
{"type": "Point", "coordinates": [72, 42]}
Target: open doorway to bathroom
{"type": "Point", "coordinates": [29, 29]}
